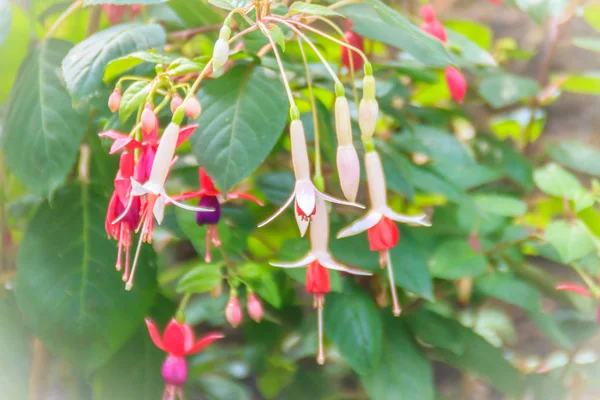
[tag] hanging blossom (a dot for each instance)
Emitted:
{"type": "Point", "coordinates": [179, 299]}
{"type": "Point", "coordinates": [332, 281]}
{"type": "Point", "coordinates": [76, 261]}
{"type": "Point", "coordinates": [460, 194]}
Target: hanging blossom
{"type": "Point", "coordinates": [594, 293]}
{"type": "Point", "coordinates": [305, 193]}
{"type": "Point", "coordinates": [382, 231]}
{"type": "Point", "coordinates": [319, 261]}
{"type": "Point", "coordinates": [177, 341]}
{"type": "Point", "coordinates": [153, 191]}
{"type": "Point", "coordinates": [211, 199]}
{"type": "Point", "coordinates": [355, 40]}
{"type": "Point", "coordinates": [122, 231]}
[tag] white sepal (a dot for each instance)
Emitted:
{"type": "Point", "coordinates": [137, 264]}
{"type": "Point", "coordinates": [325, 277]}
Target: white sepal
{"type": "Point", "coordinates": [361, 225]}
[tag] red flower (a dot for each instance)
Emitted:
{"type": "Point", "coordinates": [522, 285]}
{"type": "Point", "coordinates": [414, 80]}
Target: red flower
{"type": "Point", "coordinates": [353, 39]}
{"type": "Point", "coordinates": [317, 279]}
{"type": "Point", "coordinates": [456, 84]}
{"type": "Point", "coordinates": [384, 235]}
{"type": "Point", "coordinates": [178, 341]}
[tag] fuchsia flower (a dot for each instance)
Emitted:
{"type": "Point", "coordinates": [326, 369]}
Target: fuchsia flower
{"type": "Point", "coordinates": [211, 198]}
{"type": "Point", "coordinates": [233, 311]}
{"type": "Point", "coordinates": [319, 260]}
{"type": "Point", "coordinates": [255, 307]}
{"type": "Point", "coordinates": [382, 232]}
{"type": "Point", "coordinates": [178, 341]}
{"type": "Point", "coordinates": [582, 291]}
{"type": "Point", "coordinates": [305, 193]}
{"type": "Point", "coordinates": [456, 84]}
{"type": "Point", "coordinates": [123, 230]}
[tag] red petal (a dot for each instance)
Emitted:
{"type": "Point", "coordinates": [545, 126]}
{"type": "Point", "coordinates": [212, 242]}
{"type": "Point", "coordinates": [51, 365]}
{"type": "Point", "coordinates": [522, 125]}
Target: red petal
{"type": "Point", "coordinates": [207, 184]}
{"type": "Point", "coordinates": [121, 141]}
{"type": "Point", "coordinates": [154, 334]}
{"type": "Point", "coordinates": [575, 288]}
{"type": "Point", "coordinates": [112, 230]}
{"type": "Point", "coordinates": [175, 337]}
{"type": "Point", "coordinates": [185, 133]}
{"type": "Point", "coordinates": [317, 279]}
{"type": "Point", "coordinates": [205, 341]}
{"type": "Point", "coordinates": [238, 195]}
{"type": "Point", "coordinates": [383, 236]}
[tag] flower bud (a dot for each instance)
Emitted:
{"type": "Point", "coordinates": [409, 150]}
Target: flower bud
{"type": "Point", "coordinates": [435, 29]}
{"type": "Point", "coordinates": [368, 112]}
{"type": "Point", "coordinates": [175, 102]}
{"type": "Point", "coordinates": [299, 151]}
{"type": "Point", "coordinates": [355, 40]}
{"type": "Point", "coordinates": [343, 125]}
{"type": "Point", "coordinates": [193, 108]}
{"type": "Point", "coordinates": [233, 311]}
{"type": "Point", "coordinates": [348, 171]}
{"type": "Point", "coordinates": [114, 101]}
{"type": "Point", "coordinates": [148, 118]}
{"type": "Point", "coordinates": [456, 84]}
{"type": "Point", "coordinates": [255, 308]}
{"type": "Point", "coordinates": [221, 50]}
{"type": "Point", "coordinates": [427, 13]}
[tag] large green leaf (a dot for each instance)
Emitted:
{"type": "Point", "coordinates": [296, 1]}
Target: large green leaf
{"type": "Point", "coordinates": [42, 131]}
{"type": "Point", "coordinates": [469, 52]}
{"type": "Point", "coordinates": [68, 291]}
{"type": "Point", "coordinates": [506, 287]}
{"type": "Point", "coordinates": [579, 156]}
{"type": "Point", "coordinates": [403, 373]}
{"type": "Point", "coordinates": [353, 324]}
{"type": "Point", "coordinates": [505, 89]}
{"type": "Point", "coordinates": [313, 9]}
{"type": "Point", "coordinates": [15, 359]}
{"type": "Point", "coordinates": [410, 266]}
{"type": "Point", "coordinates": [13, 49]}
{"type": "Point", "coordinates": [497, 204]}
{"type": "Point", "coordinates": [455, 259]}
{"type": "Point", "coordinates": [244, 114]}
{"type": "Point", "coordinates": [378, 21]}
{"type": "Point", "coordinates": [435, 330]}
{"type": "Point", "coordinates": [195, 13]}
{"type": "Point", "coordinates": [84, 66]}
{"type": "Point", "coordinates": [555, 181]}
{"type": "Point", "coordinates": [572, 240]}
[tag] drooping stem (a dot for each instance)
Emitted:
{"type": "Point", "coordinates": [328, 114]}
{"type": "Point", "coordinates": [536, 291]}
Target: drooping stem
{"type": "Point", "coordinates": [390, 270]}
{"type": "Point", "coordinates": [315, 116]}
{"type": "Point", "coordinates": [72, 8]}
{"type": "Point", "coordinates": [321, 350]}
{"type": "Point", "coordinates": [288, 90]}
{"type": "Point", "coordinates": [311, 44]}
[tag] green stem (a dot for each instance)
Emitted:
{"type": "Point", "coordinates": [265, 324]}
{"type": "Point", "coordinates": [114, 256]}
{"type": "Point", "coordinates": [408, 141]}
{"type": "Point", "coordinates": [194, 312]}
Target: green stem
{"type": "Point", "coordinates": [72, 8]}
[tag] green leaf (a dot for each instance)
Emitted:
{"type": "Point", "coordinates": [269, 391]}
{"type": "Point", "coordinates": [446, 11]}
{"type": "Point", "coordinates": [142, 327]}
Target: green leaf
{"type": "Point", "coordinates": [195, 13]}
{"type": "Point", "coordinates": [124, 64]}
{"type": "Point", "coordinates": [13, 50]}
{"type": "Point", "coordinates": [410, 266]}
{"type": "Point", "coordinates": [403, 371]}
{"type": "Point", "coordinates": [278, 36]}
{"type": "Point", "coordinates": [506, 287]}
{"type": "Point", "coordinates": [398, 177]}
{"type": "Point", "coordinates": [572, 241]}
{"type": "Point", "coordinates": [200, 279]}
{"type": "Point", "coordinates": [16, 357]}
{"type": "Point", "coordinates": [313, 9]}
{"type": "Point", "coordinates": [483, 360]}
{"type": "Point", "coordinates": [229, 4]}
{"type": "Point", "coordinates": [456, 259]}
{"type": "Point", "coordinates": [480, 34]}
{"type": "Point", "coordinates": [69, 293]}
{"type": "Point", "coordinates": [244, 113]}
{"type": "Point", "coordinates": [579, 156]}
{"type": "Point", "coordinates": [353, 324]}
{"type": "Point", "coordinates": [588, 43]}
{"type": "Point", "coordinates": [133, 97]}
{"type": "Point", "coordinates": [436, 330]}
{"type": "Point", "coordinates": [84, 66]}
{"type": "Point", "coordinates": [121, 2]}
{"type": "Point", "coordinates": [377, 21]}
{"type": "Point", "coordinates": [503, 90]}
{"type": "Point", "coordinates": [182, 65]}
{"type": "Point", "coordinates": [469, 52]}
{"type": "Point", "coordinates": [586, 83]}
{"type": "Point", "coordinates": [216, 387]}
{"type": "Point", "coordinates": [555, 181]}
{"type": "Point", "coordinates": [42, 131]}
{"type": "Point", "coordinates": [5, 20]}
{"type": "Point", "coordinates": [591, 14]}
{"type": "Point", "coordinates": [505, 206]}
{"type": "Point", "coordinates": [540, 10]}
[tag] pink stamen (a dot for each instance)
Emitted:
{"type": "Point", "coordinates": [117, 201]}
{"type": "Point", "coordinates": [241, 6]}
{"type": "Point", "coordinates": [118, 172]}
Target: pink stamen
{"type": "Point", "coordinates": [215, 236]}
{"type": "Point", "coordinates": [207, 257]}
{"type": "Point", "coordinates": [319, 301]}
{"type": "Point", "coordinates": [119, 248]}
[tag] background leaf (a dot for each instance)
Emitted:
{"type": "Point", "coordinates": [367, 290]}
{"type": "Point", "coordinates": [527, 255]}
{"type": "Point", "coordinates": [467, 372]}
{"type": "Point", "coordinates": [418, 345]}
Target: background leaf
{"type": "Point", "coordinates": [313, 9]}
{"type": "Point", "coordinates": [572, 241]}
{"type": "Point", "coordinates": [455, 259]}
{"type": "Point", "coordinates": [244, 112]}
{"type": "Point", "coordinates": [503, 90]}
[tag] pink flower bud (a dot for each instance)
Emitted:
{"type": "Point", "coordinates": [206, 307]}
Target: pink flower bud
{"type": "Point", "coordinates": [233, 311]}
{"type": "Point", "coordinates": [427, 13]}
{"type": "Point", "coordinates": [148, 118]}
{"type": "Point", "coordinates": [114, 101]}
{"type": "Point", "coordinates": [193, 108]}
{"type": "Point", "coordinates": [435, 29]}
{"type": "Point", "coordinates": [348, 170]}
{"type": "Point", "coordinates": [474, 242]}
{"type": "Point", "coordinates": [255, 308]}
{"type": "Point", "coordinates": [456, 84]}
{"type": "Point", "coordinates": [175, 102]}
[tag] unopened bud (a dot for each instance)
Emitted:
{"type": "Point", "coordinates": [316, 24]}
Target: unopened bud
{"type": "Point", "coordinates": [343, 125]}
{"type": "Point", "coordinates": [348, 171]}
{"type": "Point", "coordinates": [176, 101]}
{"type": "Point", "coordinates": [457, 85]}
{"type": "Point", "coordinates": [148, 119]}
{"type": "Point", "coordinates": [369, 87]}
{"type": "Point", "coordinates": [255, 308]}
{"type": "Point", "coordinates": [233, 311]}
{"type": "Point", "coordinates": [193, 108]}
{"type": "Point", "coordinates": [435, 29]}
{"type": "Point", "coordinates": [427, 13]}
{"type": "Point", "coordinates": [114, 101]}
{"type": "Point", "coordinates": [368, 113]}
{"type": "Point", "coordinates": [220, 54]}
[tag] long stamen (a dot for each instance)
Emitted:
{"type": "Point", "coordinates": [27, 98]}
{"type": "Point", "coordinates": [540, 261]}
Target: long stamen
{"type": "Point", "coordinates": [215, 236]}
{"type": "Point", "coordinates": [126, 272]}
{"type": "Point", "coordinates": [129, 283]}
{"type": "Point", "coordinates": [119, 249]}
{"type": "Point", "coordinates": [397, 310]}
{"type": "Point", "coordinates": [207, 257]}
{"type": "Point", "coordinates": [321, 351]}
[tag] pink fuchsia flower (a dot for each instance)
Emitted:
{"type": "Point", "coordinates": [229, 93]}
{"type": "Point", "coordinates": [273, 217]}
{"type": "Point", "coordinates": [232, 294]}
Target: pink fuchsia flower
{"type": "Point", "coordinates": [305, 194]}
{"type": "Point", "coordinates": [123, 230]}
{"type": "Point", "coordinates": [233, 311]}
{"type": "Point", "coordinates": [347, 159]}
{"type": "Point", "coordinates": [177, 341]}
{"type": "Point", "coordinates": [254, 307]}
{"type": "Point", "coordinates": [193, 108]}
{"type": "Point", "coordinates": [211, 198]}
{"type": "Point", "coordinates": [176, 101]}
{"type": "Point", "coordinates": [456, 84]}
{"type": "Point", "coordinates": [319, 260]}
{"type": "Point", "coordinates": [382, 232]}
{"type": "Point", "coordinates": [582, 291]}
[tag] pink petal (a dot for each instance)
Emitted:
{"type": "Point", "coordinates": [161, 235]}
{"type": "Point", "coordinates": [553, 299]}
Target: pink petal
{"type": "Point", "coordinates": [154, 334]}
{"type": "Point", "coordinates": [238, 195]}
{"type": "Point", "coordinates": [174, 338]}
{"type": "Point", "coordinates": [573, 287]}
{"type": "Point", "coordinates": [120, 141]}
{"type": "Point", "coordinates": [205, 341]}
{"type": "Point", "coordinates": [185, 133]}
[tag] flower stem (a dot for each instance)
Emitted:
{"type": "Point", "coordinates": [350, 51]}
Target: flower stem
{"type": "Point", "coordinates": [396, 305]}
{"type": "Point", "coordinates": [72, 8]}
